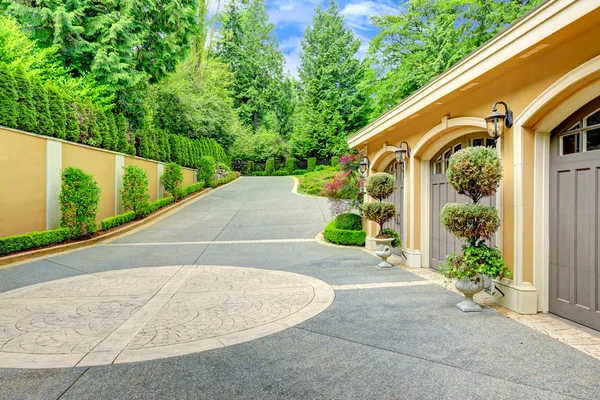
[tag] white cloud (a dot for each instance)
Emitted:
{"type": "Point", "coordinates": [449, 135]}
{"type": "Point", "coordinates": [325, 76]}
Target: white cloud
{"type": "Point", "coordinates": [357, 14]}
{"type": "Point", "coordinates": [292, 47]}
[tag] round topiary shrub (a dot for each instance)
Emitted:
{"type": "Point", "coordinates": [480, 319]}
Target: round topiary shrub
{"type": "Point", "coordinates": [380, 185]}
{"type": "Point", "coordinates": [470, 221]}
{"type": "Point", "coordinates": [475, 172]}
{"type": "Point", "coordinates": [379, 212]}
{"type": "Point", "coordinates": [349, 221]}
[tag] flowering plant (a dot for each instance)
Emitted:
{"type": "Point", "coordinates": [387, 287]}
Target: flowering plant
{"type": "Point", "coordinates": [343, 192]}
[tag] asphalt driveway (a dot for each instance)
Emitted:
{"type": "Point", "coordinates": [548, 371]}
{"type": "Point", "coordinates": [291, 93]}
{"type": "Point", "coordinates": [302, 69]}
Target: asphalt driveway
{"type": "Point", "coordinates": [405, 342]}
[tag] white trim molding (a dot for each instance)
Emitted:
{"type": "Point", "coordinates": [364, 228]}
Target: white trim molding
{"type": "Point", "coordinates": [53, 182]}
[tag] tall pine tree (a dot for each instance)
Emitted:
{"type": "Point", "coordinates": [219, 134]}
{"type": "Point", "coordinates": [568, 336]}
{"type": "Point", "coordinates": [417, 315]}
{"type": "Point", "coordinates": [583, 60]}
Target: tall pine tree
{"type": "Point", "coordinates": [8, 98]}
{"type": "Point", "coordinates": [331, 106]}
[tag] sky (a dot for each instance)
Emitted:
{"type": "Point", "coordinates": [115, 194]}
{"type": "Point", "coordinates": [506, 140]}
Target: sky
{"type": "Point", "coordinates": [291, 17]}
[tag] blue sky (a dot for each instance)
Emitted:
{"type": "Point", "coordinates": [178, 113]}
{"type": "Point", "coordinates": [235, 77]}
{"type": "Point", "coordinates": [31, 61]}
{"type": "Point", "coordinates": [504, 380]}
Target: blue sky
{"type": "Point", "coordinates": [291, 17]}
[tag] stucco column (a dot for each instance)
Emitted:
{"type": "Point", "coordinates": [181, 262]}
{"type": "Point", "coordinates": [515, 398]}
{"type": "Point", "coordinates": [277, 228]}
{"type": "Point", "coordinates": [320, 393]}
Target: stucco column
{"type": "Point", "coordinates": [119, 164]}
{"type": "Point", "coordinates": [413, 256]}
{"type": "Point", "coordinates": [160, 189]}
{"type": "Point", "coordinates": [53, 171]}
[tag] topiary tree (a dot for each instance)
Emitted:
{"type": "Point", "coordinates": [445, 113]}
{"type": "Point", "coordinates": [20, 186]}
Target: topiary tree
{"type": "Point", "coordinates": [311, 164]}
{"type": "Point", "coordinates": [270, 166]}
{"type": "Point", "coordinates": [45, 126]}
{"type": "Point", "coordinates": [79, 198]}
{"type": "Point", "coordinates": [27, 115]}
{"type": "Point", "coordinates": [380, 186]}
{"type": "Point", "coordinates": [476, 173]}
{"type": "Point", "coordinates": [135, 193]}
{"type": "Point", "coordinates": [8, 99]}
{"type": "Point", "coordinates": [206, 169]}
{"type": "Point", "coordinates": [290, 165]}
{"type": "Point", "coordinates": [172, 179]}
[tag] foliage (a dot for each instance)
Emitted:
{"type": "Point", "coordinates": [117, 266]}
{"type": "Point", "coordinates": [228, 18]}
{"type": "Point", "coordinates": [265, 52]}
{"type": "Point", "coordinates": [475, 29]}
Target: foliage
{"type": "Point", "coordinates": [350, 162]}
{"type": "Point", "coordinates": [380, 185]}
{"type": "Point", "coordinates": [44, 125]}
{"type": "Point", "coordinates": [226, 179]}
{"type": "Point", "coordinates": [348, 221]}
{"type": "Point", "coordinates": [343, 192]}
{"type": "Point", "coordinates": [475, 260]}
{"type": "Point", "coordinates": [159, 203]}
{"type": "Point", "coordinates": [335, 161]}
{"type": "Point", "coordinates": [300, 171]}
{"type": "Point", "coordinates": [426, 38]}
{"type": "Point", "coordinates": [120, 219]}
{"type": "Point", "coordinates": [193, 188]}
{"type": "Point", "coordinates": [172, 178]}
{"type": "Point", "coordinates": [206, 169]}
{"type": "Point", "coordinates": [313, 182]}
{"type": "Point", "coordinates": [396, 243]}
{"type": "Point", "coordinates": [26, 110]}
{"type": "Point", "coordinates": [470, 220]}
{"type": "Point", "coordinates": [311, 164]}
{"type": "Point", "coordinates": [8, 98]}
{"type": "Point", "coordinates": [135, 193]}
{"type": "Point", "coordinates": [379, 212]}
{"type": "Point", "coordinates": [32, 240]}
{"type": "Point", "coordinates": [258, 146]}
{"type": "Point", "coordinates": [79, 198]}
{"type": "Point", "coordinates": [270, 167]}
{"type": "Point", "coordinates": [290, 165]}
{"type": "Point", "coordinates": [330, 107]}
{"type": "Point", "coordinates": [475, 172]}
{"type": "Point", "coordinates": [56, 109]}
{"type": "Point", "coordinates": [346, 237]}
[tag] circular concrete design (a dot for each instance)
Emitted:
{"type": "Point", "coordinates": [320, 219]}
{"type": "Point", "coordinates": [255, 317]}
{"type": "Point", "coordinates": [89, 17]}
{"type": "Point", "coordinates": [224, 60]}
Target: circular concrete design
{"type": "Point", "coordinates": [148, 313]}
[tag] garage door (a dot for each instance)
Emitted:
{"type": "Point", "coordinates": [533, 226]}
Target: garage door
{"type": "Point", "coordinates": [442, 242]}
{"type": "Point", "coordinates": [575, 217]}
{"type": "Point", "coordinates": [397, 198]}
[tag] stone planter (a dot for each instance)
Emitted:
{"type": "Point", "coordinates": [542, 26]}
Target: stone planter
{"type": "Point", "coordinates": [469, 287]}
{"type": "Point", "coordinates": [383, 249]}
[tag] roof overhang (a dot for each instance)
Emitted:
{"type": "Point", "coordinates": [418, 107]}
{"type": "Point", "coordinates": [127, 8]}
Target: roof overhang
{"type": "Point", "coordinates": [517, 40]}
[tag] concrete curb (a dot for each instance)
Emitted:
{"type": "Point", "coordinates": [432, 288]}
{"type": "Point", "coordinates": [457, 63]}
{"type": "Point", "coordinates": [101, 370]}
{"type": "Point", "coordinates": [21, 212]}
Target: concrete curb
{"type": "Point", "coordinates": [38, 254]}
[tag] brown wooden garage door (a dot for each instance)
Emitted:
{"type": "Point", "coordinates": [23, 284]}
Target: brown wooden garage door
{"type": "Point", "coordinates": [397, 198]}
{"type": "Point", "coordinates": [575, 217]}
{"type": "Point", "coordinates": [442, 242]}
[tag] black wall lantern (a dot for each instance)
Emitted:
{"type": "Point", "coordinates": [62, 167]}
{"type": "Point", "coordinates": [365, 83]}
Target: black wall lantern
{"type": "Point", "coordinates": [364, 164]}
{"type": "Point", "coordinates": [402, 153]}
{"type": "Point", "coordinates": [496, 122]}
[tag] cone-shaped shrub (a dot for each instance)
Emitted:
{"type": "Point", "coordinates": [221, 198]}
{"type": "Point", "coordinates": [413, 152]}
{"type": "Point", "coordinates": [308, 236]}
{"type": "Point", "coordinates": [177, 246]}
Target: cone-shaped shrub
{"type": "Point", "coordinates": [72, 122]}
{"type": "Point", "coordinates": [379, 186]}
{"type": "Point", "coordinates": [290, 165]}
{"type": "Point", "coordinates": [45, 126]}
{"type": "Point", "coordinates": [8, 98]}
{"type": "Point", "coordinates": [123, 143]}
{"type": "Point", "coordinates": [106, 141]}
{"type": "Point", "coordinates": [26, 111]}
{"type": "Point", "coordinates": [56, 105]}
{"type": "Point", "coordinates": [135, 193]}
{"type": "Point", "coordinates": [112, 131]}
{"type": "Point", "coordinates": [270, 166]}
{"type": "Point", "coordinates": [79, 198]}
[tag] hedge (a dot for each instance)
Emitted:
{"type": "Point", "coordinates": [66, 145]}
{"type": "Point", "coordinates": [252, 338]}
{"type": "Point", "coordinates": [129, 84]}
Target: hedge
{"type": "Point", "coordinates": [344, 236]}
{"type": "Point", "coordinates": [224, 180]}
{"type": "Point", "coordinates": [290, 165]}
{"type": "Point", "coordinates": [349, 221]}
{"type": "Point", "coordinates": [117, 220]}
{"type": "Point", "coordinates": [32, 240]}
{"type": "Point", "coordinates": [311, 164]}
{"type": "Point", "coordinates": [160, 203]}
{"type": "Point", "coordinates": [193, 188]}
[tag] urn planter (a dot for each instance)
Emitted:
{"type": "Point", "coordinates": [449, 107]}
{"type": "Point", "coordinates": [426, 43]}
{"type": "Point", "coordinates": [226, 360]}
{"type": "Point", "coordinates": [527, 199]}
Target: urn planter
{"type": "Point", "coordinates": [469, 286]}
{"type": "Point", "coordinates": [383, 249]}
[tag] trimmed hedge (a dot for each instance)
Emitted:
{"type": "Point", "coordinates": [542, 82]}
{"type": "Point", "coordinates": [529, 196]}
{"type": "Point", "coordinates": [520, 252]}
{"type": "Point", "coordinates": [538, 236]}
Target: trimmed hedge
{"type": "Point", "coordinates": [290, 165]}
{"type": "Point", "coordinates": [349, 221]}
{"type": "Point", "coordinates": [344, 236]}
{"type": "Point", "coordinates": [117, 220]}
{"type": "Point", "coordinates": [311, 164]}
{"type": "Point", "coordinates": [224, 180]}
{"type": "Point", "coordinates": [193, 188]}
{"type": "Point", "coordinates": [32, 240]}
{"type": "Point", "coordinates": [270, 166]}
{"type": "Point", "coordinates": [160, 203]}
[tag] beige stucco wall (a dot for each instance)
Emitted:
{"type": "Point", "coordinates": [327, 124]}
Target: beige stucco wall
{"type": "Point", "coordinates": [188, 176]}
{"type": "Point", "coordinates": [22, 183]}
{"type": "Point", "coordinates": [518, 83]}
{"type": "Point", "coordinates": [151, 173]}
{"type": "Point", "coordinates": [101, 164]}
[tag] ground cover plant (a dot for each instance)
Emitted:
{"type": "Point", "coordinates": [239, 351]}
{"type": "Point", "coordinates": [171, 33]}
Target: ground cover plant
{"type": "Point", "coordinates": [313, 182]}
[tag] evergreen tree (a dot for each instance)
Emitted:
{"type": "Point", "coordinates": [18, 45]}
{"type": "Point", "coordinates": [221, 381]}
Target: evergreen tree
{"type": "Point", "coordinates": [72, 128]}
{"type": "Point", "coordinates": [331, 104]}
{"type": "Point", "coordinates": [95, 128]}
{"type": "Point", "coordinates": [45, 126]}
{"type": "Point", "coordinates": [121, 126]}
{"type": "Point", "coordinates": [27, 114]}
{"type": "Point", "coordinates": [106, 139]}
{"type": "Point", "coordinates": [112, 131]}
{"type": "Point", "coordinates": [57, 111]}
{"type": "Point", "coordinates": [8, 99]}
{"type": "Point", "coordinates": [174, 141]}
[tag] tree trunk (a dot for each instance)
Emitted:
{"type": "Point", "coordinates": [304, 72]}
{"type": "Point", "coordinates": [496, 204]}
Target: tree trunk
{"type": "Point", "coordinates": [255, 120]}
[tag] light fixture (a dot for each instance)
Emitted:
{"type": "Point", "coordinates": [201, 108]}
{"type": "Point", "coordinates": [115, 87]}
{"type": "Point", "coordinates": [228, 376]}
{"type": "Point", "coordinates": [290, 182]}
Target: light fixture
{"type": "Point", "coordinates": [496, 122]}
{"type": "Point", "coordinates": [364, 164]}
{"type": "Point", "coordinates": [402, 153]}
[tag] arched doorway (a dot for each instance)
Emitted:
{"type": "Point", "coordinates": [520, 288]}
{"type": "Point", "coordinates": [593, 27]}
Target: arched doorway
{"type": "Point", "coordinates": [397, 223]}
{"type": "Point", "coordinates": [574, 258]}
{"type": "Point", "coordinates": [442, 242]}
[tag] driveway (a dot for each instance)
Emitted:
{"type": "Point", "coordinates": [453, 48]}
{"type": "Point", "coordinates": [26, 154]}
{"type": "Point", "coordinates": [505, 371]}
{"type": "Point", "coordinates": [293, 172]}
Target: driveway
{"type": "Point", "coordinates": [231, 297]}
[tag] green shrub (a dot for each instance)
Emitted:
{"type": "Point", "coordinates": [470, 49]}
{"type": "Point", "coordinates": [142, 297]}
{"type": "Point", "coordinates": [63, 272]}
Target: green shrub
{"type": "Point", "coordinates": [121, 125]}
{"type": "Point", "coordinates": [222, 165]}
{"type": "Point", "coordinates": [225, 179]}
{"type": "Point", "coordinates": [206, 169]}
{"type": "Point", "coordinates": [26, 111]}
{"type": "Point", "coordinates": [290, 165]}
{"type": "Point", "coordinates": [117, 220]}
{"type": "Point", "coordinates": [475, 172]}
{"type": "Point", "coordinates": [249, 168]}
{"type": "Point", "coordinates": [313, 182]}
{"type": "Point", "coordinates": [280, 172]}
{"type": "Point", "coordinates": [72, 127]}
{"type": "Point", "coordinates": [79, 198]}
{"type": "Point", "coordinates": [380, 185]}
{"type": "Point", "coordinates": [172, 178]}
{"type": "Point", "coordinates": [344, 236]}
{"type": "Point", "coordinates": [32, 240]}
{"type": "Point", "coordinates": [8, 99]}
{"type": "Point", "coordinates": [270, 167]}
{"type": "Point", "coordinates": [470, 221]}
{"type": "Point", "coordinates": [57, 111]}
{"type": "Point", "coordinates": [45, 126]}
{"type": "Point", "coordinates": [335, 161]}
{"type": "Point", "coordinates": [300, 172]}
{"type": "Point", "coordinates": [193, 188]}
{"type": "Point", "coordinates": [135, 193]}
{"type": "Point", "coordinates": [311, 164]}
{"type": "Point", "coordinates": [348, 221]}
{"type": "Point", "coordinates": [159, 203]}
{"type": "Point", "coordinates": [258, 173]}
{"type": "Point", "coordinates": [392, 233]}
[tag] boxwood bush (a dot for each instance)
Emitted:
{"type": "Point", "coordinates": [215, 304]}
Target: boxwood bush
{"type": "Point", "coordinates": [344, 236]}
{"type": "Point", "coordinates": [349, 221]}
{"type": "Point", "coordinates": [117, 220]}
{"type": "Point", "coordinates": [225, 180]}
{"type": "Point", "coordinates": [193, 188]}
{"type": "Point", "coordinates": [32, 240]}
{"type": "Point", "coordinates": [159, 203]}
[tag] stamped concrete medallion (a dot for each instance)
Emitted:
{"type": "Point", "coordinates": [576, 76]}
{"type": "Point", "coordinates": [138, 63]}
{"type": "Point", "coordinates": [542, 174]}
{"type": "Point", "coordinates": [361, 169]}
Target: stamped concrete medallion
{"type": "Point", "coordinates": [149, 313]}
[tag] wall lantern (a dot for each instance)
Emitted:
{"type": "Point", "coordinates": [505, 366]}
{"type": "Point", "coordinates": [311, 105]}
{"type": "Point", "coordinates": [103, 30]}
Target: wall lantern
{"type": "Point", "coordinates": [402, 153]}
{"type": "Point", "coordinates": [496, 121]}
{"type": "Point", "coordinates": [364, 164]}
